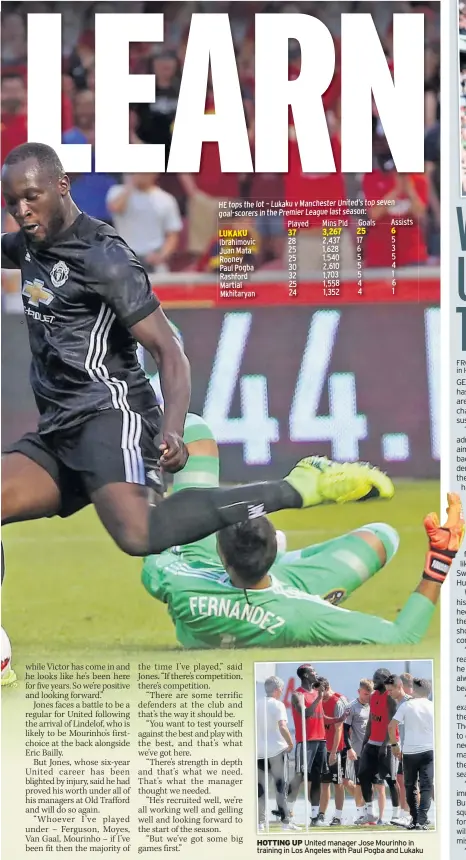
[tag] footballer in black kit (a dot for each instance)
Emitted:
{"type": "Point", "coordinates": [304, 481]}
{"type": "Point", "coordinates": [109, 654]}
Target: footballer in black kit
{"type": "Point", "coordinates": [101, 436]}
{"type": "Point", "coordinates": [98, 413]}
{"type": "Point", "coordinates": [85, 297]}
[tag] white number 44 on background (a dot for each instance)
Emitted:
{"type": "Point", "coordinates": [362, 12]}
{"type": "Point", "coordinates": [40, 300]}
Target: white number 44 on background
{"type": "Point", "coordinates": [255, 429]}
{"type": "Point", "coordinates": [343, 426]}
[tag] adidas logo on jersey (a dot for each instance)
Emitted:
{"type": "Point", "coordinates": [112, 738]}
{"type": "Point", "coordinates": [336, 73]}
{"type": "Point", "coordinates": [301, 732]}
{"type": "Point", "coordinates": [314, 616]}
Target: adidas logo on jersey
{"type": "Point", "coordinates": [255, 511]}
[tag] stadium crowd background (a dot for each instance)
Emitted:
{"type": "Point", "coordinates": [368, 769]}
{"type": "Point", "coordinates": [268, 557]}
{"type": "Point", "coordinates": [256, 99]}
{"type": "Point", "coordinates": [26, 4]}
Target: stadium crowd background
{"type": "Point", "coordinates": [184, 222]}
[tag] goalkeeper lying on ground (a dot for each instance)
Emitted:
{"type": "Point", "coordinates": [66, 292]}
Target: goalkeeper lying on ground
{"type": "Point", "coordinates": [235, 590]}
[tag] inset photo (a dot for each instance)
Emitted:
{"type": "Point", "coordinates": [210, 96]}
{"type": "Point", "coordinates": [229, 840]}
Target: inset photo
{"type": "Point", "coordinates": [345, 744]}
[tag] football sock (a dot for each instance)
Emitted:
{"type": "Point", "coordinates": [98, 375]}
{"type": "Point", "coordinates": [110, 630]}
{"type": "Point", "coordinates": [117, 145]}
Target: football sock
{"type": "Point", "coordinates": [369, 807]}
{"type": "Point", "coordinates": [336, 568]}
{"type": "Point", "coordinates": [198, 472]}
{"type": "Point", "coordinates": [394, 795]}
{"type": "Point", "coordinates": [338, 813]}
{"type": "Point", "coordinates": [314, 811]}
{"type": "Point", "coordinates": [192, 514]}
{"type": "Point", "coordinates": [396, 812]}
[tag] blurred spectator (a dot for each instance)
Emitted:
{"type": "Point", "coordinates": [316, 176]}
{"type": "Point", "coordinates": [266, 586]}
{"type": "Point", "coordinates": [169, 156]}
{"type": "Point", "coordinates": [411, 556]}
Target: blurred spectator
{"type": "Point", "coordinates": [431, 87]}
{"type": "Point", "coordinates": [206, 188]}
{"type": "Point", "coordinates": [81, 60]}
{"type": "Point", "coordinates": [90, 78]}
{"type": "Point", "coordinates": [410, 195]}
{"type": "Point", "coordinates": [72, 24]}
{"type": "Point", "coordinates": [328, 188]}
{"type": "Point", "coordinates": [462, 19]}
{"type": "Point", "coordinates": [14, 43]}
{"type": "Point", "coordinates": [14, 116]}
{"type": "Point", "coordinates": [267, 186]}
{"type": "Point", "coordinates": [84, 119]}
{"type": "Point", "coordinates": [68, 87]}
{"type": "Point", "coordinates": [432, 158]}
{"type": "Point", "coordinates": [147, 218]}
{"type": "Point", "coordinates": [89, 189]}
{"type": "Point", "coordinates": [133, 124]}
{"type": "Point", "coordinates": [272, 231]}
{"type": "Point", "coordinates": [156, 119]}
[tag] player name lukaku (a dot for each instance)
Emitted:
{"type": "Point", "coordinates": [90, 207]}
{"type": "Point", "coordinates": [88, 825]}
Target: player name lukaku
{"type": "Point", "coordinates": [226, 607]}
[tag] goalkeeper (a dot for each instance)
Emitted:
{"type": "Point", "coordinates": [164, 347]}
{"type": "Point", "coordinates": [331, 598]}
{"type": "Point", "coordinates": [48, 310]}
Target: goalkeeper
{"type": "Point", "coordinates": [234, 590]}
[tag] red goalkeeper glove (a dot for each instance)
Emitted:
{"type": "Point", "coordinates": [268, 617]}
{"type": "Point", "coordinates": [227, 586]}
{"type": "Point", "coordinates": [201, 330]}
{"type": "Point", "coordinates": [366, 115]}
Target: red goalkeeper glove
{"type": "Point", "coordinates": [444, 541]}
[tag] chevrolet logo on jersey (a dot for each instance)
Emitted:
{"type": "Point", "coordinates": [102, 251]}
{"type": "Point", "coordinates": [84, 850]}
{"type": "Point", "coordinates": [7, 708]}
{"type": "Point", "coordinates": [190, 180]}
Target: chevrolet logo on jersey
{"type": "Point", "coordinates": [37, 292]}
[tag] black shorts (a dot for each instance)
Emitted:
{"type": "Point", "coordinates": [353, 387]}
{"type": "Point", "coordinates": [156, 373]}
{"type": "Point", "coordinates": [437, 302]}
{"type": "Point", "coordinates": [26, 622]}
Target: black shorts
{"type": "Point", "coordinates": [376, 781]}
{"type": "Point", "coordinates": [379, 763]}
{"type": "Point", "coordinates": [111, 447]}
{"type": "Point", "coordinates": [316, 758]}
{"type": "Point", "coordinates": [335, 773]}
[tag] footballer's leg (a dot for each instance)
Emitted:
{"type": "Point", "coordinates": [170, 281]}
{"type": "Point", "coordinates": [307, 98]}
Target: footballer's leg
{"type": "Point", "coordinates": [336, 568]}
{"type": "Point", "coordinates": [143, 523]}
{"type": "Point", "coordinates": [30, 488]}
{"type": "Point", "coordinates": [202, 470]}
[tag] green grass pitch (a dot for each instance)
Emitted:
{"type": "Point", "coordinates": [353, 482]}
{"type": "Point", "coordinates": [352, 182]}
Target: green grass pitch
{"type": "Point", "coordinates": [69, 589]}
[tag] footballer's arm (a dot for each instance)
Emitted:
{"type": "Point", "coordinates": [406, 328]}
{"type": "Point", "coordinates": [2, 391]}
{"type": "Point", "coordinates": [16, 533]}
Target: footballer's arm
{"type": "Point", "coordinates": [367, 733]}
{"type": "Point", "coordinates": [392, 732]}
{"type": "Point", "coordinates": [115, 274]}
{"type": "Point", "coordinates": [155, 334]}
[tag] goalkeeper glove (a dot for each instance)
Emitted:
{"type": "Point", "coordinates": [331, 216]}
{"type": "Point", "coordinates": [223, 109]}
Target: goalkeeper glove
{"type": "Point", "coordinates": [444, 541]}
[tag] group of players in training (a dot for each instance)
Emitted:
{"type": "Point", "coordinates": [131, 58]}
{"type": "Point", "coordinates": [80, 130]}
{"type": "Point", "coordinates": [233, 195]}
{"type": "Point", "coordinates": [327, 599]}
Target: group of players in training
{"type": "Point", "coordinates": [384, 736]}
{"type": "Point", "coordinates": [210, 553]}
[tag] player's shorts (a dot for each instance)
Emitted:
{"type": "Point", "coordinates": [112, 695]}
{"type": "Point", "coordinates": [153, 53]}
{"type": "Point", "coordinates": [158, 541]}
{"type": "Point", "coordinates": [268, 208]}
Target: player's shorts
{"type": "Point", "coordinates": [354, 777]}
{"type": "Point", "coordinates": [112, 447]}
{"type": "Point", "coordinates": [316, 757]}
{"type": "Point", "coordinates": [334, 773]}
{"type": "Point", "coordinates": [378, 762]}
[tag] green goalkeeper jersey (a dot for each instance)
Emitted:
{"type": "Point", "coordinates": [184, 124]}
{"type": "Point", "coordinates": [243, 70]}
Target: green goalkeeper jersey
{"type": "Point", "coordinates": [209, 612]}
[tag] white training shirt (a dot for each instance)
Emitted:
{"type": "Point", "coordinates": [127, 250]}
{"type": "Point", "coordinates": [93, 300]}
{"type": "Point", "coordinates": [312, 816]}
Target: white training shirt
{"type": "Point", "coordinates": [148, 217]}
{"type": "Point", "coordinates": [417, 716]}
{"type": "Point", "coordinates": [270, 711]}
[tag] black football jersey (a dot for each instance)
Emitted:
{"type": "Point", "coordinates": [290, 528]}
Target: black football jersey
{"type": "Point", "coordinates": [81, 296]}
